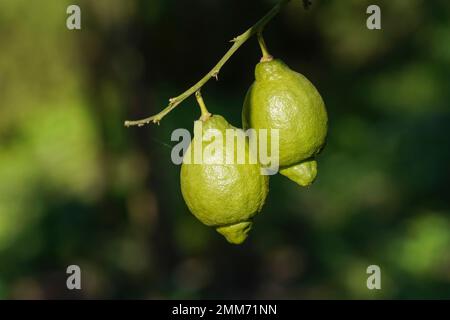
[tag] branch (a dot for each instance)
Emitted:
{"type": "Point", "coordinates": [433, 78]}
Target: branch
{"type": "Point", "coordinates": [237, 43]}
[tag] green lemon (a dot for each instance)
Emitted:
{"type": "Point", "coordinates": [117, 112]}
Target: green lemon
{"type": "Point", "coordinates": [283, 99]}
{"type": "Point", "coordinates": [222, 195]}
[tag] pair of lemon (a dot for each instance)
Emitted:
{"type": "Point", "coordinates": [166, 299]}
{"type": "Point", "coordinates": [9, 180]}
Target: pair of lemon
{"type": "Point", "coordinates": [227, 196]}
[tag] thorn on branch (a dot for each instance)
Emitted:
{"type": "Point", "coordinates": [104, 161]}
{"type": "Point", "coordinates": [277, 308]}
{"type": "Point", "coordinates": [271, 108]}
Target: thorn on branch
{"type": "Point", "coordinates": [215, 74]}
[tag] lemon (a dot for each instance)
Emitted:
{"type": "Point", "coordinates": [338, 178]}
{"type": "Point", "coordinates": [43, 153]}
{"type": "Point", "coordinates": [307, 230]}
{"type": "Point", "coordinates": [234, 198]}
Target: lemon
{"type": "Point", "coordinates": [221, 195]}
{"type": "Point", "coordinates": [283, 99]}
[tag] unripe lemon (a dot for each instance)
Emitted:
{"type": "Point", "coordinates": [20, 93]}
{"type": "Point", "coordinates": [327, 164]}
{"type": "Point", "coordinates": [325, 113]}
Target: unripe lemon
{"type": "Point", "coordinates": [223, 196]}
{"type": "Point", "coordinates": [283, 99]}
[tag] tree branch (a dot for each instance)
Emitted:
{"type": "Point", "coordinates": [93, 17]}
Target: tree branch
{"type": "Point", "coordinates": [237, 43]}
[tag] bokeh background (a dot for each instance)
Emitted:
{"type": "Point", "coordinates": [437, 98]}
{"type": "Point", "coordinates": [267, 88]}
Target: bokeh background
{"type": "Point", "coordinates": [77, 187]}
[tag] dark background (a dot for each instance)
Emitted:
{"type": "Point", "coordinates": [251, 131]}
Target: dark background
{"type": "Point", "coordinates": [77, 187]}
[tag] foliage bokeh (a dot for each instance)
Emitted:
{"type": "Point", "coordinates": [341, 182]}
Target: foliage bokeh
{"type": "Point", "coordinates": [77, 187]}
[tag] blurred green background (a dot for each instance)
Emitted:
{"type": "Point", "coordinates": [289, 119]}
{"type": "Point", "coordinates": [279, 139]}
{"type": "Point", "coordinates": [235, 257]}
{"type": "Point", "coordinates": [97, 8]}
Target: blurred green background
{"type": "Point", "coordinates": [77, 187]}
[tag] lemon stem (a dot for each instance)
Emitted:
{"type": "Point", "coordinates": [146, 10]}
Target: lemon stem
{"type": "Point", "coordinates": [262, 44]}
{"type": "Point", "coordinates": [205, 113]}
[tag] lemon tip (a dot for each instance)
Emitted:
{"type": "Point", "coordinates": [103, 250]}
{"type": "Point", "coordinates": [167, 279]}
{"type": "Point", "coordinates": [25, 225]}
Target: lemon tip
{"type": "Point", "coordinates": [236, 233]}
